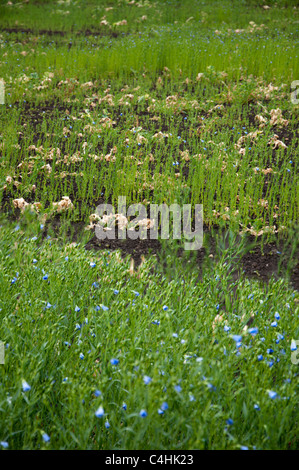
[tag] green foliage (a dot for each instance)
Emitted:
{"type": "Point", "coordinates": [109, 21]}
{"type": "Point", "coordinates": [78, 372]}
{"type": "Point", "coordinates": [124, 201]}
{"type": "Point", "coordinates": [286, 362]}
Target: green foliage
{"type": "Point", "coordinates": [175, 104]}
{"type": "Point", "coordinates": [64, 320]}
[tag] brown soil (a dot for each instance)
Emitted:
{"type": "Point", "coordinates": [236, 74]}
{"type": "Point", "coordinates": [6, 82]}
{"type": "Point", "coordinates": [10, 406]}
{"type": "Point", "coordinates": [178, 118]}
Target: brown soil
{"type": "Point", "coordinates": [259, 263]}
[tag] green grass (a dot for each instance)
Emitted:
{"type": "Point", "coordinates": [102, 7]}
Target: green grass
{"type": "Point", "coordinates": [154, 327]}
{"type": "Point", "coordinates": [114, 148]}
{"type": "Point", "coordinates": [160, 109]}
